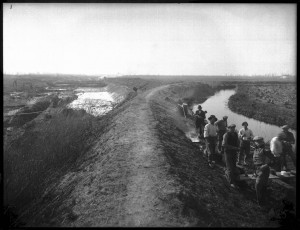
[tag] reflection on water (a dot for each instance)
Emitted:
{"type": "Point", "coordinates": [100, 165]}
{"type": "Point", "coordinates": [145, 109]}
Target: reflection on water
{"type": "Point", "coordinates": [105, 96]}
{"type": "Point", "coordinates": [93, 100]}
{"type": "Point", "coordinates": [217, 105]}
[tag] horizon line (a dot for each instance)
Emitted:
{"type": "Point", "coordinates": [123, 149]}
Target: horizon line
{"type": "Point", "coordinates": [103, 75]}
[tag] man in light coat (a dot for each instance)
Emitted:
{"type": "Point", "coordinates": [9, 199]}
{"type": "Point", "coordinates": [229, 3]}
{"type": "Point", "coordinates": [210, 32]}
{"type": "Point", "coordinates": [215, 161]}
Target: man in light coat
{"type": "Point", "coordinates": [210, 135]}
{"type": "Point", "coordinates": [245, 135]}
{"type": "Point", "coordinates": [276, 148]}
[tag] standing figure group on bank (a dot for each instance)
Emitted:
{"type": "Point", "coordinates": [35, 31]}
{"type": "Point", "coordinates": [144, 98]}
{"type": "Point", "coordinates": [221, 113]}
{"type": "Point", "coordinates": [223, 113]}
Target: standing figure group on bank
{"type": "Point", "coordinates": [221, 138]}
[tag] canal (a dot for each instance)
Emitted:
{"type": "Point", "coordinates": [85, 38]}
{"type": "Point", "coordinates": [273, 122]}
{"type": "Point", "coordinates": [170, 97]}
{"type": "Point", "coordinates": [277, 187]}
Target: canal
{"type": "Point", "coordinates": [218, 106]}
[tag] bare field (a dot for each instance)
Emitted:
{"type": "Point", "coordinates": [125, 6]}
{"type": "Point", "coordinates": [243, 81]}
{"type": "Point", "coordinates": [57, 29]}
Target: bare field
{"type": "Point", "coordinates": [271, 102]}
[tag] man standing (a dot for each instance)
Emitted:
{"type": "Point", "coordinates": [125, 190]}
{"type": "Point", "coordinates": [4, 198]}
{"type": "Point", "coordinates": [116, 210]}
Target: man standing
{"type": "Point", "coordinates": [245, 136]}
{"type": "Point", "coordinates": [277, 151]}
{"type": "Point", "coordinates": [231, 146]}
{"type": "Point", "coordinates": [289, 135]}
{"type": "Point", "coordinates": [210, 135]}
{"type": "Point", "coordinates": [200, 121]}
{"type": "Point", "coordinates": [221, 130]}
{"type": "Point", "coordinates": [262, 170]}
{"type": "Point", "coordinates": [287, 142]}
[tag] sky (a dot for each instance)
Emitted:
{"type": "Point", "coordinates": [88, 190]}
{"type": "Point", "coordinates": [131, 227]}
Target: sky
{"type": "Point", "coordinates": [149, 39]}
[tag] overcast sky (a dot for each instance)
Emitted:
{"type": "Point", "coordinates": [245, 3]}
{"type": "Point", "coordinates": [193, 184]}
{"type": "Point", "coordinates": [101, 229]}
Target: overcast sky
{"type": "Point", "coordinates": [174, 39]}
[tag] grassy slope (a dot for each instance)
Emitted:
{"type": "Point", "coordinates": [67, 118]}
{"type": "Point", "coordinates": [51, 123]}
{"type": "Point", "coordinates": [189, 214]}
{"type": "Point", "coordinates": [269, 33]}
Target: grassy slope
{"type": "Point", "coordinates": [43, 152]}
{"type": "Point", "coordinates": [49, 147]}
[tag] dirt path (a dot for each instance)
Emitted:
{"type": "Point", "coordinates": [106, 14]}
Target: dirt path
{"type": "Point", "coordinates": [122, 181]}
{"type": "Point", "coordinates": [147, 178]}
{"type": "Point", "coordinates": [143, 171]}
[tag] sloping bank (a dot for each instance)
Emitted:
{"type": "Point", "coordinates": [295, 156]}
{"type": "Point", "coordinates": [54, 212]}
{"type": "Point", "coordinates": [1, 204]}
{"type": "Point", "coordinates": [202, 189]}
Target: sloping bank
{"type": "Point", "coordinates": [205, 196]}
{"type": "Point", "coordinates": [143, 171]}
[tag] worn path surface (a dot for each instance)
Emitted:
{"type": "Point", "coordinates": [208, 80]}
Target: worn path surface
{"type": "Point", "coordinates": [144, 171]}
{"type": "Point", "coordinates": [123, 180]}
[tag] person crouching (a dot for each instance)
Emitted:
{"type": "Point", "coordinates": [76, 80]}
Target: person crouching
{"type": "Point", "coordinates": [262, 170]}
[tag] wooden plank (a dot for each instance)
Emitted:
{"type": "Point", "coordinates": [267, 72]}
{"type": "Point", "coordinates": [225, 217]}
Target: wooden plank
{"type": "Point", "coordinates": [251, 177]}
{"type": "Point", "coordinates": [285, 176]}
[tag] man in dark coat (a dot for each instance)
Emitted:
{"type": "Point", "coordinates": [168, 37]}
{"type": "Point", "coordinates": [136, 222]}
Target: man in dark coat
{"type": "Point", "coordinates": [287, 143]}
{"type": "Point", "coordinates": [231, 146]}
{"type": "Point", "coordinates": [221, 130]}
{"type": "Point", "coordinates": [262, 170]}
{"type": "Point", "coordinates": [200, 121]}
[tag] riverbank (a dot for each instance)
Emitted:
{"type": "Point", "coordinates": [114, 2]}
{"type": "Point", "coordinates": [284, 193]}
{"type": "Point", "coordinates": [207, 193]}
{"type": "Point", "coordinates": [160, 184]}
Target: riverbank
{"type": "Point", "coordinates": [270, 102]}
{"type": "Point", "coordinates": [142, 170]}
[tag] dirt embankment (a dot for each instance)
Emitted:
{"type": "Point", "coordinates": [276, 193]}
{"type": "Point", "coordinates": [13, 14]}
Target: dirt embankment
{"type": "Point", "coordinates": [144, 171]}
{"type": "Point", "coordinates": [273, 103]}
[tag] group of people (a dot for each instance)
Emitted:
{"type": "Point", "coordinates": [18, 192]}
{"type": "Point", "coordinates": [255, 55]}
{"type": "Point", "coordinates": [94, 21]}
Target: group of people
{"type": "Point", "coordinates": [235, 145]}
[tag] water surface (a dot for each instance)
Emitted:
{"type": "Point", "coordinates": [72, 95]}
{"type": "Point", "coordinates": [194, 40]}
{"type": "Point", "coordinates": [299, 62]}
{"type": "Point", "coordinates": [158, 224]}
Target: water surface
{"type": "Point", "coordinates": [96, 101]}
{"type": "Point", "coordinates": [218, 106]}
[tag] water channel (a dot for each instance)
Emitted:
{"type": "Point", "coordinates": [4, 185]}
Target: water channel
{"type": "Point", "coordinates": [218, 106]}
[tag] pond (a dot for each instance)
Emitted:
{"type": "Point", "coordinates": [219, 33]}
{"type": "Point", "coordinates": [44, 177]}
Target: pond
{"type": "Point", "coordinates": [218, 106]}
{"type": "Point", "coordinates": [96, 101]}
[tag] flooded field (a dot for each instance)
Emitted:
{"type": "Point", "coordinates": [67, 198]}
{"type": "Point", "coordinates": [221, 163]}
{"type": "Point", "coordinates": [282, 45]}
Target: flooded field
{"type": "Point", "coordinates": [96, 101]}
{"type": "Point", "coordinates": [92, 96]}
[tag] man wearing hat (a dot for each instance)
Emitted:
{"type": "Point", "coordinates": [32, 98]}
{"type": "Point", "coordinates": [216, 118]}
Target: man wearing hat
{"type": "Point", "coordinates": [262, 170]}
{"type": "Point", "coordinates": [200, 120]}
{"type": "Point", "coordinates": [289, 135]}
{"type": "Point", "coordinates": [221, 130]}
{"type": "Point", "coordinates": [245, 136]}
{"type": "Point", "coordinates": [288, 142]}
{"type": "Point", "coordinates": [210, 135]}
{"type": "Point", "coordinates": [231, 146]}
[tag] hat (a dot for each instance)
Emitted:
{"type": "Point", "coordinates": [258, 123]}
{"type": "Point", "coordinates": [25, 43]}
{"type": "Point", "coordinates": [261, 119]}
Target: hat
{"type": "Point", "coordinates": [257, 138]}
{"type": "Point", "coordinates": [212, 116]}
{"type": "Point", "coordinates": [199, 106]}
{"type": "Point", "coordinates": [245, 122]}
{"type": "Point", "coordinates": [281, 135]}
{"type": "Point", "coordinates": [225, 117]}
{"type": "Point", "coordinates": [285, 127]}
{"type": "Point", "coordinates": [231, 126]}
